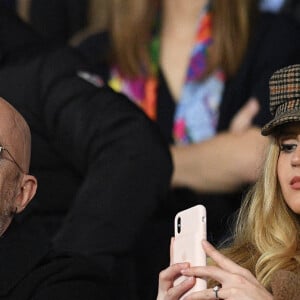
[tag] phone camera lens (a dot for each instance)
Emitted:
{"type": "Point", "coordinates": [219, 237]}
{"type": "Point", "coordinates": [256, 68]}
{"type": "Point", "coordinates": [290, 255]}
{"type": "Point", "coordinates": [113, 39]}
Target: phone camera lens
{"type": "Point", "coordinates": [179, 225]}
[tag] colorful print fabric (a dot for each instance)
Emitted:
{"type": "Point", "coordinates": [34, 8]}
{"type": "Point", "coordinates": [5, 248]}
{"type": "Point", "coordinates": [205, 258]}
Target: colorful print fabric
{"type": "Point", "coordinates": [196, 114]}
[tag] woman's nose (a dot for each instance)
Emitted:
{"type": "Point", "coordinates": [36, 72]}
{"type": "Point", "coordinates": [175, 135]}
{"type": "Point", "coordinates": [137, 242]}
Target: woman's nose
{"type": "Point", "coordinates": [296, 157]}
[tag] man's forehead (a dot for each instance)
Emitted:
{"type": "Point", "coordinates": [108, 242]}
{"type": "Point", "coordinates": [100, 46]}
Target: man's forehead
{"type": "Point", "coordinates": [8, 117]}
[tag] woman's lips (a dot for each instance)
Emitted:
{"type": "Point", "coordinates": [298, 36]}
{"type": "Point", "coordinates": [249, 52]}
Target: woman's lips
{"type": "Point", "coordinates": [295, 183]}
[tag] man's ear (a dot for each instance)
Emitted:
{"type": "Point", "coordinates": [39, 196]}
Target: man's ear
{"type": "Point", "coordinates": [27, 192]}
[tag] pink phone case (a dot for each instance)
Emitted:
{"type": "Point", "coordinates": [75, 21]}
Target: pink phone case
{"type": "Point", "coordinates": [190, 230]}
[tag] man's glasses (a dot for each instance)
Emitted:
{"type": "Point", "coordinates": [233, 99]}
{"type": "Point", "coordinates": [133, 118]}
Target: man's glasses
{"type": "Point", "coordinates": [11, 158]}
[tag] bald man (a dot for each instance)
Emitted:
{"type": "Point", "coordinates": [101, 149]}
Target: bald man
{"type": "Point", "coordinates": [30, 269]}
{"type": "Point", "coordinates": [17, 187]}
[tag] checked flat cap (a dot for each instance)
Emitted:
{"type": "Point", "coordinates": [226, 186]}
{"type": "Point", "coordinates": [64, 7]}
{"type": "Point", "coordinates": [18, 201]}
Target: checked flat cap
{"type": "Point", "coordinates": [284, 98]}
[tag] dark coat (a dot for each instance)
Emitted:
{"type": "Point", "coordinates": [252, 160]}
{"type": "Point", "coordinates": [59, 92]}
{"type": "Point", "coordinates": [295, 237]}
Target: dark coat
{"type": "Point", "coordinates": [101, 164]}
{"type": "Point", "coordinates": [30, 270]}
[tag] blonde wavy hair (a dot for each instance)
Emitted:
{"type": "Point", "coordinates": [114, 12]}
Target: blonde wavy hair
{"type": "Point", "coordinates": [131, 23]}
{"type": "Point", "coordinates": [267, 235]}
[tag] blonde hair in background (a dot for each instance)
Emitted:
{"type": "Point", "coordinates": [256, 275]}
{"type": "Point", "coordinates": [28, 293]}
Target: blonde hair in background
{"type": "Point", "coordinates": [130, 25]}
{"type": "Point", "coordinates": [233, 22]}
{"type": "Point", "coordinates": [267, 231]}
{"type": "Point", "coordinates": [96, 21]}
{"type": "Point", "coordinates": [23, 7]}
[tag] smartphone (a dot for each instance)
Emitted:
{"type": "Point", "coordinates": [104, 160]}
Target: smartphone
{"type": "Point", "coordinates": [190, 230]}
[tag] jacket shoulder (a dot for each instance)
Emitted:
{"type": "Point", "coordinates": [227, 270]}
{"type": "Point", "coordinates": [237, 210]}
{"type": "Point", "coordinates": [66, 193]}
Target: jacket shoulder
{"type": "Point", "coordinates": [286, 285]}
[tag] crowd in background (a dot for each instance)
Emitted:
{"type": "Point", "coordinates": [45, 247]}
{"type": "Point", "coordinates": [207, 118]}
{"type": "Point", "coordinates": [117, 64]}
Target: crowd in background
{"type": "Point", "coordinates": [74, 20]}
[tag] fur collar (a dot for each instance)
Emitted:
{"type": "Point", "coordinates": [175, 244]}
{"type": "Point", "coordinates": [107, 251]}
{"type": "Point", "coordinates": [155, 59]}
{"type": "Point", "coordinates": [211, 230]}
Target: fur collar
{"type": "Point", "coordinates": [285, 285]}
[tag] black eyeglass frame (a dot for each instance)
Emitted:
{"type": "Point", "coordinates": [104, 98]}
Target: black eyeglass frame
{"type": "Point", "coordinates": [12, 159]}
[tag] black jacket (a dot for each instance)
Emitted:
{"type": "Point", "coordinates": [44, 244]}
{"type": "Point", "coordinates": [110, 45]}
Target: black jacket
{"type": "Point", "coordinates": [101, 164]}
{"type": "Point", "coordinates": [30, 270]}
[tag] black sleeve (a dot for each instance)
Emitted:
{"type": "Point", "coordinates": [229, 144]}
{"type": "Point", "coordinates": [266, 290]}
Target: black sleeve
{"type": "Point", "coordinates": [96, 51]}
{"type": "Point", "coordinates": [124, 162]}
{"type": "Point", "coordinates": [63, 278]}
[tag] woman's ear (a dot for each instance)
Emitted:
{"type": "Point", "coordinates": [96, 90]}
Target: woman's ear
{"type": "Point", "coordinates": [27, 192]}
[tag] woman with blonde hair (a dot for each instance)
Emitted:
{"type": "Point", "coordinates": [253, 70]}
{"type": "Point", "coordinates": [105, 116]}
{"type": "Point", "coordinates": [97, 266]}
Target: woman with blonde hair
{"type": "Point", "coordinates": [200, 70]}
{"type": "Point", "coordinates": [263, 259]}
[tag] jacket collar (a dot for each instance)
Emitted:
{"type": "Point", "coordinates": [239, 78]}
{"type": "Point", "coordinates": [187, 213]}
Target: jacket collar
{"type": "Point", "coordinates": [21, 247]}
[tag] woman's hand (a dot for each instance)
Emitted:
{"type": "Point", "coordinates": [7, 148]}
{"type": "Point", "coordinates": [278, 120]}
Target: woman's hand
{"type": "Point", "coordinates": [204, 168]}
{"type": "Point", "coordinates": [236, 282]}
{"type": "Point", "coordinates": [166, 290]}
{"type": "Point", "coordinates": [243, 119]}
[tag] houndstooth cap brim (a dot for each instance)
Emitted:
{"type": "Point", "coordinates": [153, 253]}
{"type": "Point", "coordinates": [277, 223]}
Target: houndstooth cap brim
{"type": "Point", "coordinates": [284, 98]}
